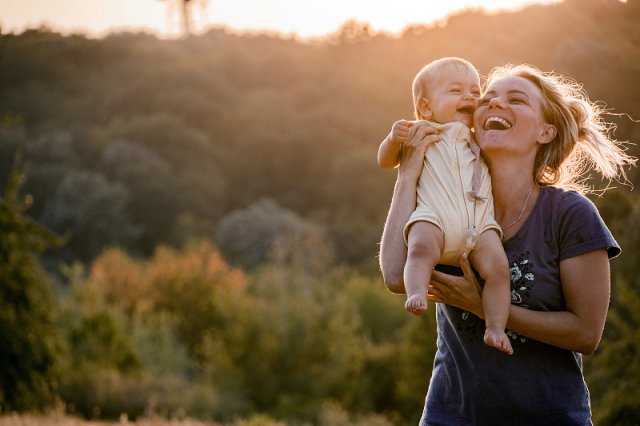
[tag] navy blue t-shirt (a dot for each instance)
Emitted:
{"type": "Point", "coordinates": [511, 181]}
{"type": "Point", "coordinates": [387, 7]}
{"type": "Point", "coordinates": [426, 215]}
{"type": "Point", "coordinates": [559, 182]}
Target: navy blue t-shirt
{"type": "Point", "coordinates": [540, 384]}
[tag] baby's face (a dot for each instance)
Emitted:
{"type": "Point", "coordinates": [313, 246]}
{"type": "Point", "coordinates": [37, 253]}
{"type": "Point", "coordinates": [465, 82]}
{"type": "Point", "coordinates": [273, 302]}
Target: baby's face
{"type": "Point", "coordinates": [453, 94]}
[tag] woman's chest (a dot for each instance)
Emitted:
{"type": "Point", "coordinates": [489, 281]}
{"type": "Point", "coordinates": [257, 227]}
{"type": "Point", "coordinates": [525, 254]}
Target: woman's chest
{"type": "Point", "coordinates": [535, 276]}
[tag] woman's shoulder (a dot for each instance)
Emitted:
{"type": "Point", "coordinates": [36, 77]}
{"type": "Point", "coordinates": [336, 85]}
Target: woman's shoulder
{"type": "Point", "coordinates": [576, 221]}
{"type": "Point", "coordinates": [564, 201]}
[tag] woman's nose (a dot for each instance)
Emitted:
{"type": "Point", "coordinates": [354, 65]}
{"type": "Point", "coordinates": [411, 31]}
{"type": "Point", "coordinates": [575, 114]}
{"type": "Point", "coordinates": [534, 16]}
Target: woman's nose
{"type": "Point", "coordinates": [495, 102]}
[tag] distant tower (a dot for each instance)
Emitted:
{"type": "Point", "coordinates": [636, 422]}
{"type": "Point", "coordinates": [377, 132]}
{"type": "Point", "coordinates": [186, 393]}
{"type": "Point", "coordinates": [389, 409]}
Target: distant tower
{"type": "Point", "coordinates": [186, 17]}
{"type": "Point", "coordinates": [185, 8]}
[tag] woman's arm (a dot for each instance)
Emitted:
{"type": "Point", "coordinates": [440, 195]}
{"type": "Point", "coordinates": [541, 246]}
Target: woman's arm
{"type": "Point", "coordinates": [393, 250]}
{"type": "Point", "coordinates": [586, 286]}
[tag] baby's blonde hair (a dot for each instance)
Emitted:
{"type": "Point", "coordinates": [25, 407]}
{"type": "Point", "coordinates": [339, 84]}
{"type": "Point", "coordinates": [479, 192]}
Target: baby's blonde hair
{"type": "Point", "coordinates": [420, 84]}
{"type": "Point", "coordinates": [583, 138]}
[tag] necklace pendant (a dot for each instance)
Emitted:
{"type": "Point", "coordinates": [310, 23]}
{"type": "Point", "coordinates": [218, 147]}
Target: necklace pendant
{"type": "Point", "coordinates": [470, 238]}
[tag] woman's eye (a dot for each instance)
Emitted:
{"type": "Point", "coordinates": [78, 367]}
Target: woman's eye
{"type": "Point", "coordinates": [517, 101]}
{"type": "Point", "coordinates": [483, 102]}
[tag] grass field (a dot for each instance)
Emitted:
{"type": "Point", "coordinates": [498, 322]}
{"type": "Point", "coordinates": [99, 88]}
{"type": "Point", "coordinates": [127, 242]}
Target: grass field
{"type": "Point", "coordinates": [65, 420]}
{"type": "Point", "coordinates": [328, 418]}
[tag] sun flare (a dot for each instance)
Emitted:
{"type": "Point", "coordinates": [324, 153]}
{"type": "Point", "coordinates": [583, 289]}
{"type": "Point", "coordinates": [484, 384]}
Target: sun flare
{"type": "Point", "coordinates": [308, 19]}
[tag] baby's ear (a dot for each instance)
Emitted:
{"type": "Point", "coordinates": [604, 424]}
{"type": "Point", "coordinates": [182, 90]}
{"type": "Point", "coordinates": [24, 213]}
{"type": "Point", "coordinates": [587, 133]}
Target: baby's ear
{"type": "Point", "coordinates": [424, 108]}
{"type": "Point", "coordinates": [547, 134]}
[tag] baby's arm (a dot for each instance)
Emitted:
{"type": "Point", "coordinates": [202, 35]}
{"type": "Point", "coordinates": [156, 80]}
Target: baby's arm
{"type": "Point", "coordinates": [389, 151]}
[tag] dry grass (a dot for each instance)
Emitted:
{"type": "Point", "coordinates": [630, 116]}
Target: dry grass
{"type": "Point", "coordinates": [65, 420]}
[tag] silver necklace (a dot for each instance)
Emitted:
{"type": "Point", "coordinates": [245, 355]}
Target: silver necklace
{"type": "Point", "coordinates": [504, 230]}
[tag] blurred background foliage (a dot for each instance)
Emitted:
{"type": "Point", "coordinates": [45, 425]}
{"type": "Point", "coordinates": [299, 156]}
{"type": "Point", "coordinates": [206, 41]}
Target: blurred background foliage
{"type": "Point", "coordinates": [218, 207]}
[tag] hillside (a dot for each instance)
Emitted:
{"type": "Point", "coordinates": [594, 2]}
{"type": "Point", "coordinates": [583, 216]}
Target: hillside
{"type": "Point", "coordinates": [175, 135]}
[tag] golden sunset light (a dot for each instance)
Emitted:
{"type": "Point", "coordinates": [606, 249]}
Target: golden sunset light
{"type": "Point", "coordinates": [306, 19]}
{"type": "Point", "coordinates": [319, 213]}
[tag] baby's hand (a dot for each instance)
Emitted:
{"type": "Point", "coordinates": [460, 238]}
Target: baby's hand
{"type": "Point", "coordinates": [400, 131]}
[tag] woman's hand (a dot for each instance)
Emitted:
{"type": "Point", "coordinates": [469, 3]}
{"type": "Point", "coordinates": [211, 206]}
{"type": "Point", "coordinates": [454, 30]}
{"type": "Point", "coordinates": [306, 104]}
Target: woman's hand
{"type": "Point", "coordinates": [421, 135]}
{"type": "Point", "coordinates": [462, 292]}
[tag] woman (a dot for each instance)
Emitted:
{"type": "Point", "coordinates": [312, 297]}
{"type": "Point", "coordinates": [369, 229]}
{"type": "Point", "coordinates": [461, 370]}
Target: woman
{"type": "Point", "coordinates": [537, 132]}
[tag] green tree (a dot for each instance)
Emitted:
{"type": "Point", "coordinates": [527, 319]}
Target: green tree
{"type": "Point", "coordinates": [614, 370]}
{"type": "Point", "coordinates": [265, 231]}
{"type": "Point", "coordinates": [27, 333]}
{"type": "Point", "coordinates": [92, 209]}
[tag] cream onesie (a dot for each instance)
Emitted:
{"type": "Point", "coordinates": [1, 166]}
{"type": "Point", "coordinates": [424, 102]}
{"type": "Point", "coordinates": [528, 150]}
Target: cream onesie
{"type": "Point", "coordinates": [446, 195]}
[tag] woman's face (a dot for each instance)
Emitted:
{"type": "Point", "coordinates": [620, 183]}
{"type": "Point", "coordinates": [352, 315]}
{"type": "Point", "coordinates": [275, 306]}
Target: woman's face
{"type": "Point", "coordinates": [509, 117]}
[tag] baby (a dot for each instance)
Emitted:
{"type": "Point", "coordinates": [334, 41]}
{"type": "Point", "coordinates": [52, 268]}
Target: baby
{"type": "Point", "coordinates": [454, 212]}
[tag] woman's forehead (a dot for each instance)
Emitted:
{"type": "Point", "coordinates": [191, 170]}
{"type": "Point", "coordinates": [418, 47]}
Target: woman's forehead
{"type": "Point", "coordinates": [514, 83]}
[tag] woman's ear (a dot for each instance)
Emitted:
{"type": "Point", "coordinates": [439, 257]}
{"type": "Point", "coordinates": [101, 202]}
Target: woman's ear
{"type": "Point", "coordinates": [424, 108]}
{"type": "Point", "coordinates": [547, 134]}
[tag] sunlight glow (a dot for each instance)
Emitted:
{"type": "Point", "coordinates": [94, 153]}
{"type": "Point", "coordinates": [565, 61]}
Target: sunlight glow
{"type": "Point", "coordinates": [307, 19]}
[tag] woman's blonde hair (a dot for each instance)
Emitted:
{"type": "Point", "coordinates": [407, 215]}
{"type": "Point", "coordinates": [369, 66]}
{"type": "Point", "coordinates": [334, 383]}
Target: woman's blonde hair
{"type": "Point", "coordinates": [583, 140]}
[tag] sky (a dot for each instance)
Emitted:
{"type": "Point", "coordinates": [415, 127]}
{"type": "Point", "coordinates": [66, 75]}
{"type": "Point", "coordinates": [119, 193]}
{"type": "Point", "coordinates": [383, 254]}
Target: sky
{"type": "Point", "coordinates": [305, 18]}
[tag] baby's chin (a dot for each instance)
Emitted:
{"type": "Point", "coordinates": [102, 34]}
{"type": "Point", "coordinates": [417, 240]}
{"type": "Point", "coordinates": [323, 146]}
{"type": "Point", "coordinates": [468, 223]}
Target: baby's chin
{"type": "Point", "coordinates": [466, 119]}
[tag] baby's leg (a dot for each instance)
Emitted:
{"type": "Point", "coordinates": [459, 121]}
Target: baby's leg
{"type": "Point", "coordinates": [490, 260]}
{"type": "Point", "coordinates": [425, 241]}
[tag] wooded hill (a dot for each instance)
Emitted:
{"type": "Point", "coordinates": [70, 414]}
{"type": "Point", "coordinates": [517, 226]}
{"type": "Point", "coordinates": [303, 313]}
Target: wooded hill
{"type": "Point", "coordinates": [265, 148]}
{"type": "Point", "coordinates": [135, 141]}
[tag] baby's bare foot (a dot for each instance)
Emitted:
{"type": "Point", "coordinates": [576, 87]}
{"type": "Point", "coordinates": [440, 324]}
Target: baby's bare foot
{"type": "Point", "coordinates": [499, 340]}
{"type": "Point", "coordinates": [416, 304]}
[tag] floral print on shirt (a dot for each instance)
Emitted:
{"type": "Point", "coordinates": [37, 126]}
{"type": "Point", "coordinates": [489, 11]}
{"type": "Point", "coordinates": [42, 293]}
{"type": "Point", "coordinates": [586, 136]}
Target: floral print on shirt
{"type": "Point", "coordinates": [521, 271]}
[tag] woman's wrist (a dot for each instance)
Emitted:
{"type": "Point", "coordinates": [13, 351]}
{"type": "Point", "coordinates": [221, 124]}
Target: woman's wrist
{"type": "Point", "coordinates": [406, 180]}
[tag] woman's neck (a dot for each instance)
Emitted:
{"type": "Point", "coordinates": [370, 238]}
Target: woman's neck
{"type": "Point", "coordinates": [514, 193]}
